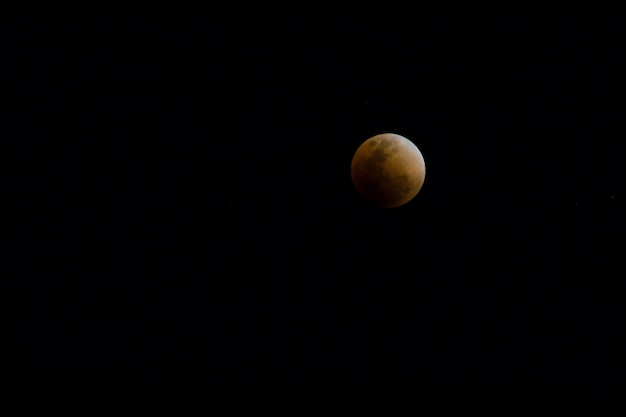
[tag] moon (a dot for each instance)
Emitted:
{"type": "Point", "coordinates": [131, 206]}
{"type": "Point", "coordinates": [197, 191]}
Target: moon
{"type": "Point", "coordinates": [388, 170]}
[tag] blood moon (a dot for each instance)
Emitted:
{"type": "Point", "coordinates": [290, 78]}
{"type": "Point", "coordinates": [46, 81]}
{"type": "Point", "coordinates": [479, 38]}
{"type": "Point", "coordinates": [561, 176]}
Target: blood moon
{"type": "Point", "coordinates": [388, 170]}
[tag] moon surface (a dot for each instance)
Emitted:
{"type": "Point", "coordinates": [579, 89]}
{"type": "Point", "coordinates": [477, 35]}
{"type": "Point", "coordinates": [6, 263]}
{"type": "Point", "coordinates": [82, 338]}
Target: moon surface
{"type": "Point", "coordinates": [388, 170]}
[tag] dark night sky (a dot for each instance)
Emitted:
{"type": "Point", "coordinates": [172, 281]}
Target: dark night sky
{"type": "Point", "coordinates": [181, 209]}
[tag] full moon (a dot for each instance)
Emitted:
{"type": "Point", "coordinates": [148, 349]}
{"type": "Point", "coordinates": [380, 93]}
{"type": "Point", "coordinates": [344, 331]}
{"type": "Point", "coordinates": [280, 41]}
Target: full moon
{"type": "Point", "coordinates": [388, 170]}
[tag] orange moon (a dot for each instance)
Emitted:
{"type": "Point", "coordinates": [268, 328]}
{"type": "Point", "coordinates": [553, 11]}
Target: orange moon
{"type": "Point", "coordinates": [388, 170]}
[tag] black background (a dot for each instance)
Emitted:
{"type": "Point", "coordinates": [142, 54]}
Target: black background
{"type": "Point", "coordinates": [180, 205]}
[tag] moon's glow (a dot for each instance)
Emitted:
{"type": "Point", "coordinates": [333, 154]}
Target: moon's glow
{"type": "Point", "coordinates": [388, 170]}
